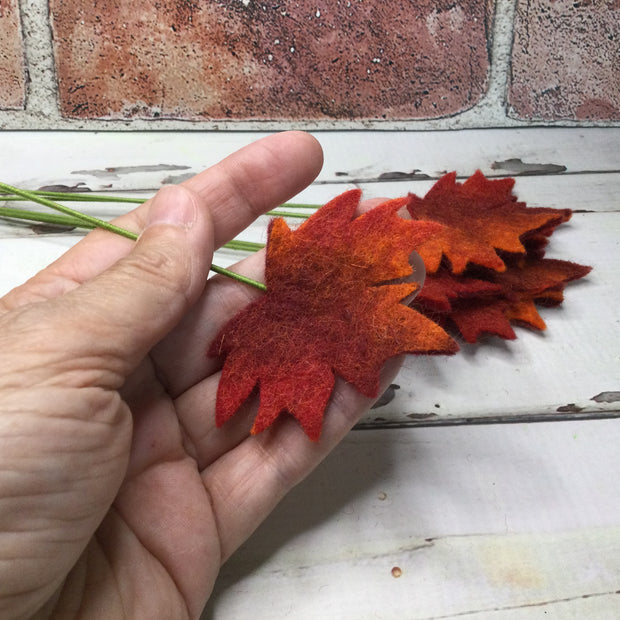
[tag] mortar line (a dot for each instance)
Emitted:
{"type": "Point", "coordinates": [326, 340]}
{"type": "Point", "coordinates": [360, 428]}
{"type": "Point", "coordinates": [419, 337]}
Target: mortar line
{"type": "Point", "coordinates": [41, 85]}
{"type": "Point", "coordinates": [494, 102]}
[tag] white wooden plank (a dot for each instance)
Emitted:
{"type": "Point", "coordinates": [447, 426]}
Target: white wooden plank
{"type": "Point", "coordinates": [591, 607]}
{"type": "Point", "coordinates": [117, 161]}
{"type": "Point", "coordinates": [585, 192]}
{"type": "Point", "coordinates": [579, 192]}
{"type": "Point", "coordinates": [23, 258]}
{"type": "Point", "coordinates": [481, 520]}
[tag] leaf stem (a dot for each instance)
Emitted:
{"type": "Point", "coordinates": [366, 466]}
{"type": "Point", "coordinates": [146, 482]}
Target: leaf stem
{"type": "Point", "coordinates": [72, 222]}
{"type": "Point", "coordinates": [88, 221]}
{"type": "Point", "coordinates": [47, 218]}
{"type": "Point", "coordinates": [74, 197]}
{"type": "Point", "coordinates": [96, 222]}
{"type": "Point", "coordinates": [244, 246]}
{"type": "Point", "coordinates": [304, 216]}
{"type": "Point", "coordinates": [88, 197]}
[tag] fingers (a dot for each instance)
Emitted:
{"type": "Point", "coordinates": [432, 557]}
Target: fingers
{"type": "Point", "coordinates": [118, 316]}
{"type": "Point", "coordinates": [236, 190]}
{"type": "Point", "coordinates": [257, 179]}
{"type": "Point", "coordinates": [247, 482]}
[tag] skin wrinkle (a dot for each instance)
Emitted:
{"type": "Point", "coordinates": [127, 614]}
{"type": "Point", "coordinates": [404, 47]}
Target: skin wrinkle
{"type": "Point", "coordinates": [103, 554]}
{"type": "Point", "coordinates": [159, 560]}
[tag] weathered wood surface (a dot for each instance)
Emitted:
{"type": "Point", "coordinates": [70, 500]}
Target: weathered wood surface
{"type": "Point", "coordinates": [494, 521]}
{"type": "Point", "coordinates": [489, 522]}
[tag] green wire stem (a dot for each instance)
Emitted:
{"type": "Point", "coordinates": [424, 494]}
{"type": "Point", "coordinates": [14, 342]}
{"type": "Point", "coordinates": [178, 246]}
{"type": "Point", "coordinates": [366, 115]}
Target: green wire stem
{"type": "Point", "coordinates": [72, 222]}
{"type": "Point", "coordinates": [74, 197]}
{"type": "Point", "coordinates": [98, 223]}
{"type": "Point", "coordinates": [69, 221]}
{"type": "Point", "coordinates": [46, 218]}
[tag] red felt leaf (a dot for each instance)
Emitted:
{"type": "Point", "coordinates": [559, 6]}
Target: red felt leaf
{"type": "Point", "coordinates": [510, 296]}
{"type": "Point", "coordinates": [479, 317]}
{"type": "Point", "coordinates": [480, 218]}
{"type": "Point", "coordinates": [443, 287]}
{"type": "Point", "coordinates": [331, 308]}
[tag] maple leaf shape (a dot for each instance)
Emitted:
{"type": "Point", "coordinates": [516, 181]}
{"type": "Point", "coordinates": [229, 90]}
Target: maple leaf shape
{"type": "Point", "coordinates": [510, 296]}
{"type": "Point", "coordinates": [331, 307]}
{"type": "Point", "coordinates": [480, 216]}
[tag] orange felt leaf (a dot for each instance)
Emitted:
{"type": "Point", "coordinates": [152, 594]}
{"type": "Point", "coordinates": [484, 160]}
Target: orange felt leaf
{"type": "Point", "coordinates": [331, 308]}
{"type": "Point", "coordinates": [480, 218]}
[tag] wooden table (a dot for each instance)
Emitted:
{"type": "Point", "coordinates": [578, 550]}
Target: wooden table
{"type": "Point", "coordinates": [487, 487]}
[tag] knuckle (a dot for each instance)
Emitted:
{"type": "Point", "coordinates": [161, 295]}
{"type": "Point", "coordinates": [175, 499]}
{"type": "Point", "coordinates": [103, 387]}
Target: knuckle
{"type": "Point", "coordinates": [162, 265]}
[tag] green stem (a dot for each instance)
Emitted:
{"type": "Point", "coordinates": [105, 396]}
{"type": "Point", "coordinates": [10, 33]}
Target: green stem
{"type": "Point", "coordinates": [73, 222]}
{"type": "Point", "coordinates": [73, 197]}
{"type": "Point", "coordinates": [98, 223]}
{"type": "Point", "coordinates": [298, 205]}
{"type": "Point", "coordinates": [47, 218]}
{"type": "Point", "coordinates": [244, 246]}
{"type": "Point", "coordinates": [303, 216]}
{"type": "Point", "coordinates": [89, 219]}
{"type": "Point", "coordinates": [238, 277]}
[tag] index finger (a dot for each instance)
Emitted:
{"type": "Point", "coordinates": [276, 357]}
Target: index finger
{"type": "Point", "coordinates": [238, 189]}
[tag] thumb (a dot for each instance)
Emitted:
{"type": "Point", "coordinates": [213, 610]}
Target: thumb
{"type": "Point", "coordinates": [126, 310]}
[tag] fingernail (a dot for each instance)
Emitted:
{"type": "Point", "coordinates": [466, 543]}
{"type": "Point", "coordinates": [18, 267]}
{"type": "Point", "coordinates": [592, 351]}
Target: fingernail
{"type": "Point", "coordinates": [172, 205]}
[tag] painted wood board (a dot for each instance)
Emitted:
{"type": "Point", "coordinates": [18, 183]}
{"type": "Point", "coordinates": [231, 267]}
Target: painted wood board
{"type": "Point", "coordinates": [132, 161]}
{"type": "Point", "coordinates": [484, 521]}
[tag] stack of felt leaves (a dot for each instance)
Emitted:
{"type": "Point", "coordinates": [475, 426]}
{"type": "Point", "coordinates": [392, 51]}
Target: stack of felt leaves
{"type": "Point", "coordinates": [338, 288]}
{"type": "Point", "coordinates": [486, 267]}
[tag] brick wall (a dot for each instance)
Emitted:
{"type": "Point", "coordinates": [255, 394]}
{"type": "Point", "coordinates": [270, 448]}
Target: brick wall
{"type": "Point", "coordinates": [113, 64]}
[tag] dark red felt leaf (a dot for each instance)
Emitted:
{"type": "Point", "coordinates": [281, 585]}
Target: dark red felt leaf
{"type": "Point", "coordinates": [480, 218]}
{"type": "Point", "coordinates": [509, 297]}
{"type": "Point", "coordinates": [443, 287]}
{"type": "Point", "coordinates": [479, 317]}
{"type": "Point", "coordinates": [331, 308]}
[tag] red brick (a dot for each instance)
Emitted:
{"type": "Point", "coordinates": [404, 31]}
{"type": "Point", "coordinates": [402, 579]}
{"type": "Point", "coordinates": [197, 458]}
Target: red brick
{"type": "Point", "coordinates": [243, 59]}
{"type": "Point", "coordinates": [12, 76]}
{"type": "Point", "coordinates": [566, 60]}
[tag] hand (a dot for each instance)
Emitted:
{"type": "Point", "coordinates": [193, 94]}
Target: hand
{"type": "Point", "coordinates": [118, 496]}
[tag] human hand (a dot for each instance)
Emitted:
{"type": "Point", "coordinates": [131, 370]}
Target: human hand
{"type": "Point", "coordinates": [118, 496]}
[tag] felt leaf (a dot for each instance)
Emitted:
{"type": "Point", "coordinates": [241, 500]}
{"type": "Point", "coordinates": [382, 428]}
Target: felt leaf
{"type": "Point", "coordinates": [510, 297]}
{"type": "Point", "coordinates": [482, 317]}
{"type": "Point", "coordinates": [333, 306]}
{"type": "Point", "coordinates": [443, 287]}
{"type": "Point", "coordinates": [480, 218]}
{"type": "Point", "coordinates": [532, 277]}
